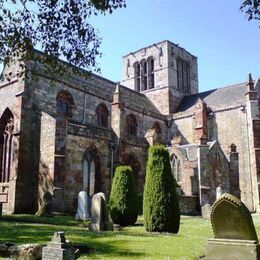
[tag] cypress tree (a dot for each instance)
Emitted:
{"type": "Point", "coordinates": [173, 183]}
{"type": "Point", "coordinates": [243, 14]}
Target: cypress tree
{"type": "Point", "coordinates": [161, 205]}
{"type": "Point", "coordinates": [123, 198]}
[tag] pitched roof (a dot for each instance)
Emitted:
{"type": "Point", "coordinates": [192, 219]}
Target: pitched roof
{"type": "Point", "coordinates": [138, 101]}
{"type": "Point", "coordinates": [221, 97]}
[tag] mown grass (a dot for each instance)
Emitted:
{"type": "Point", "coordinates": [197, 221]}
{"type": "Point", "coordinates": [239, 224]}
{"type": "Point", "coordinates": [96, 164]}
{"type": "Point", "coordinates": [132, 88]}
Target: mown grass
{"type": "Point", "coordinates": [130, 242]}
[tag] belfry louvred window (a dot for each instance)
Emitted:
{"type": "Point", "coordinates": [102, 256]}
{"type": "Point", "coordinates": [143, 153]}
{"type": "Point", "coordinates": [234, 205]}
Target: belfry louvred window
{"type": "Point", "coordinates": [6, 138]}
{"type": "Point", "coordinates": [183, 76]}
{"type": "Point", "coordinates": [144, 74]}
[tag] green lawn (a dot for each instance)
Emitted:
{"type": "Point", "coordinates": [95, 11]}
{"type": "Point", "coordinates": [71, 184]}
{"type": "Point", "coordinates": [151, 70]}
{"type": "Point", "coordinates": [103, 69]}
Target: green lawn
{"type": "Point", "coordinates": [130, 242]}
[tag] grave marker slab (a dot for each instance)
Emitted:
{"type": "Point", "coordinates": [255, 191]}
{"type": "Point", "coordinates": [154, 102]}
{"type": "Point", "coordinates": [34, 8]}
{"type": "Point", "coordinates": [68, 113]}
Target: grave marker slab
{"type": "Point", "coordinates": [99, 214]}
{"type": "Point", "coordinates": [58, 249]}
{"type": "Point", "coordinates": [82, 211]}
{"type": "Point", "coordinates": [234, 231]}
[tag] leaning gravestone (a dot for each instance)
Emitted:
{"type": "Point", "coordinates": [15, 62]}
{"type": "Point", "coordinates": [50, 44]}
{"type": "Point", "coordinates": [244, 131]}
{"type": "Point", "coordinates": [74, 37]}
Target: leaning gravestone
{"type": "Point", "coordinates": [234, 231]}
{"type": "Point", "coordinates": [58, 249]}
{"type": "Point", "coordinates": [99, 214]}
{"type": "Point", "coordinates": [82, 212]}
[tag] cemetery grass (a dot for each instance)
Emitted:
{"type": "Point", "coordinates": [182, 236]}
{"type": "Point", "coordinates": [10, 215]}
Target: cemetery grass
{"type": "Point", "coordinates": [131, 242]}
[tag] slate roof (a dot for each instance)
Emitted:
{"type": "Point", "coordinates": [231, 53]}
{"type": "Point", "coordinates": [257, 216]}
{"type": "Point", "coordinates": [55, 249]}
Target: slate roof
{"type": "Point", "coordinates": [138, 101]}
{"type": "Point", "coordinates": [190, 151]}
{"type": "Point", "coordinates": [221, 97]}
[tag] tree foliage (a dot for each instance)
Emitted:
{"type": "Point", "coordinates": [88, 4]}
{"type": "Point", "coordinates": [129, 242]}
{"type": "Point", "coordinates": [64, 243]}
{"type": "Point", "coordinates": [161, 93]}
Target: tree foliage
{"type": "Point", "coordinates": [161, 205]}
{"type": "Point", "coordinates": [251, 8]}
{"type": "Point", "coordinates": [123, 198]}
{"type": "Point", "coordinates": [60, 28]}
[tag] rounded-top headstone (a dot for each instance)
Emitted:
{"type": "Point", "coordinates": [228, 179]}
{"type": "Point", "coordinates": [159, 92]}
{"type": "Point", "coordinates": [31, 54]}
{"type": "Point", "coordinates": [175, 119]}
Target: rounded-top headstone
{"type": "Point", "coordinates": [82, 211]}
{"type": "Point", "coordinates": [231, 219]}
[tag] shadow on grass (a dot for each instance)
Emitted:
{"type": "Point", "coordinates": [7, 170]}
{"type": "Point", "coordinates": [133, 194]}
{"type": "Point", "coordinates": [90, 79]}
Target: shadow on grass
{"type": "Point", "coordinates": [113, 248]}
{"type": "Point", "coordinates": [55, 220]}
{"type": "Point", "coordinates": [99, 243]}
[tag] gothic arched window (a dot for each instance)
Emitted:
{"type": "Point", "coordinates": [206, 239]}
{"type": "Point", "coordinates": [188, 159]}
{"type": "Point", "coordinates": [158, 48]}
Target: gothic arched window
{"type": "Point", "coordinates": [64, 103]}
{"type": "Point", "coordinates": [6, 136]}
{"type": "Point", "coordinates": [176, 168]}
{"type": "Point", "coordinates": [132, 161]}
{"type": "Point", "coordinates": [131, 123]}
{"type": "Point", "coordinates": [102, 115]}
{"type": "Point", "coordinates": [144, 74]}
{"type": "Point", "coordinates": [183, 76]}
{"type": "Point", "coordinates": [92, 179]}
{"type": "Point", "coordinates": [150, 62]}
{"type": "Point", "coordinates": [137, 72]}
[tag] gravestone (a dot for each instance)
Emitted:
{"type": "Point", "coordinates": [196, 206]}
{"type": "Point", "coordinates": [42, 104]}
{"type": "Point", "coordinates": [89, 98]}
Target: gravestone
{"type": "Point", "coordinates": [82, 211]}
{"type": "Point", "coordinates": [205, 211]}
{"type": "Point", "coordinates": [58, 249]}
{"type": "Point", "coordinates": [234, 231]}
{"type": "Point", "coordinates": [219, 192]}
{"type": "Point", "coordinates": [99, 214]}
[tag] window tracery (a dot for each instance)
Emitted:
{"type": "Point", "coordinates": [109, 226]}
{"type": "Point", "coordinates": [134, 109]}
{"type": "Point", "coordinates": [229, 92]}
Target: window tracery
{"type": "Point", "coordinates": [6, 137]}
{"type": "Point", "coordinates": [131, 125]}
{"type": "Point", "coordinates": [102, 115]}
{"type": "Point", "coordinates": [64, 103]}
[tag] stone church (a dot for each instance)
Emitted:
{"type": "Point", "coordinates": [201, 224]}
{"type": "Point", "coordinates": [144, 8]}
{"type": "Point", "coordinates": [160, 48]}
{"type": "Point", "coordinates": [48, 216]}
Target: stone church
{"type": "Point", "coordinates": [67, 134]}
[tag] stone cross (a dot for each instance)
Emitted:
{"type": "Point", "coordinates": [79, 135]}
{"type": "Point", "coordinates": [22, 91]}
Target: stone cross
{"type": "Point", "coordinates": [58, 249]}
{"type": "Point", "coordinates": [99, 214]}
{"type": "Point", "coordinates": [82, 212]}
{"type": "Point", "coordinates": [234, 231]}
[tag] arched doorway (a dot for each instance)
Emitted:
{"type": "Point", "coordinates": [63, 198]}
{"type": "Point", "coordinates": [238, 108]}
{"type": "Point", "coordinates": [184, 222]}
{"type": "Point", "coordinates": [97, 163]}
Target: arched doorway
{"type": "Point", "coordinates": [132, 161]}
{"type": "Point", "coordinates": [6, 140]}
{"type": "Point", "coordinates": [92, 177]}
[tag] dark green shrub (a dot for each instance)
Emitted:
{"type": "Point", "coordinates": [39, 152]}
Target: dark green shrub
{"type": "Point", "coordinates": [140, 199]}
{"type": "Point", "coordinates": [123, 198]}
{"type": "Point", "coordinates": [161, 205]}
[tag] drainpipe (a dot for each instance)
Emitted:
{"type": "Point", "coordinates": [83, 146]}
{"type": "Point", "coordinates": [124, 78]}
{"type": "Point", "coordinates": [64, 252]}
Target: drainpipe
{"type": "Point", "coordinates": [198, 156]}
{"type": "Point", "coordinates": [84, 110]}
{"type": "Point", "coordinates": [112, 147]}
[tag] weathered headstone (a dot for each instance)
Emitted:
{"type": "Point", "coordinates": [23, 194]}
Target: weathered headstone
{"type": "Point", "coordinates": [205, 211]}
{"type": "Point", "coordinates": [99, 214]}
{"type": "Point", "coordinates": [234, 232]}
{"type": "Point", "coordinates": [58, 249]}
{"type": "Point", "coordinates": [219, 192]}
{"type": "Point", "coordinates": [82, 211]}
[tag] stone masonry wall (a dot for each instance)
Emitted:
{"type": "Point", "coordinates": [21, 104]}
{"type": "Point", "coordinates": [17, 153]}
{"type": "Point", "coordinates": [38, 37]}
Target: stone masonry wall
{"type": "Point", "coordinates": [228, 125]}
{"type": "Point", "coordinates": [76, 147]}
{"type": "Point", "coordinates": [10, 95]}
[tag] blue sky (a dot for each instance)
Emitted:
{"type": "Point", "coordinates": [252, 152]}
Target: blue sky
{"type": "Point", "coordinates": [226, 44]}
